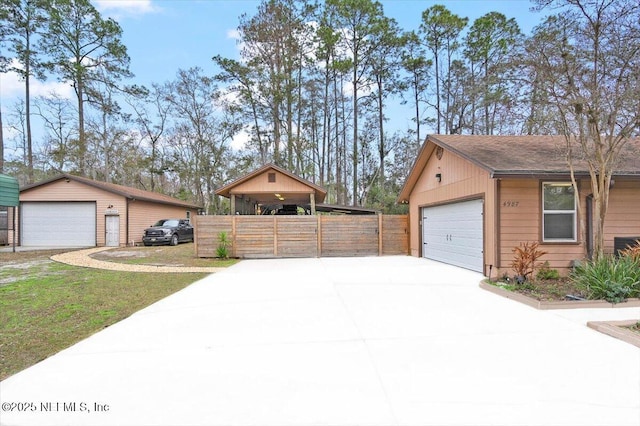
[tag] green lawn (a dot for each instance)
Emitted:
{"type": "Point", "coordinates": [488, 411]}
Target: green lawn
{"type": "Point", "coordinates": [46, 306]}
{"type": "Point", "coordinates": [180, 255]}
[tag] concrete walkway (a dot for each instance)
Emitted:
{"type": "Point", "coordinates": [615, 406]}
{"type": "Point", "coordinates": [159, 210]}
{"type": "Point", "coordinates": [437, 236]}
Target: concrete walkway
{"type": "Point", "coordinates": [336, 341]}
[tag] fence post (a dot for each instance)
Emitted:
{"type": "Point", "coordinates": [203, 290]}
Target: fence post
{"type": "Point", "coordinates": [380, 230]}
{"type": "Point", "coordinates": [234, 243]}
{"type": "Point", "coordinates": [319, 235]}
{"type": "Point", "coordinates": [275, 236]}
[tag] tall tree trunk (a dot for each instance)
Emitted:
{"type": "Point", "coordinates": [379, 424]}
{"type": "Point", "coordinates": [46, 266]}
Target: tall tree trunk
{"type": "Point", "coordinates": [355, 130]}
{"type": "Point", "coordinates": [82, 141]}
{"type": "Point", "coordinates": [28, 117]}
{"type": "Point", "coordinates": [437, 65]}
{"type": "Point", "coordinates": [381, 146]}
{"type": "Point", "coordinates": [339, 161]}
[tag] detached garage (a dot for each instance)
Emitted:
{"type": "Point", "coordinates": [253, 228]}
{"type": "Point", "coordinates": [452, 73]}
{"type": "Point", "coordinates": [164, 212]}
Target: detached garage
{"type": "Point", "coordinates": [73, 211]}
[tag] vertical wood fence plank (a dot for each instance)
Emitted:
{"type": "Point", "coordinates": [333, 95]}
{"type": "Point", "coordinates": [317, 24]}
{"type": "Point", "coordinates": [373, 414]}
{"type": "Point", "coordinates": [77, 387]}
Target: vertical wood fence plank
{"type": "Point", "coordinates": [304, 236]}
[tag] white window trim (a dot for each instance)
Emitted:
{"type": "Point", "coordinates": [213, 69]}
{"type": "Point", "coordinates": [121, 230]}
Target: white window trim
{"type": "Point", "coordinates": [574, 212]}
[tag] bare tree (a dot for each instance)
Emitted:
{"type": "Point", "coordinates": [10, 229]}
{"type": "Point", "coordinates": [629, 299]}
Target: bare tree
{"type": "Point", "coordinates": [589, 59]}
{"type": "Point", "coordinates": [22, 20]}
{"type": "Point", "coordinates": [81, 43]}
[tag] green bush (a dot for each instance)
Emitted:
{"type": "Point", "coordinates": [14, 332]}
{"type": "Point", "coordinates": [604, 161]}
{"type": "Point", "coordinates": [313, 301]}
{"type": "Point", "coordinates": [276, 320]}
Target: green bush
{"type": "Point", "coordinates": [546, 273]}
{"type": "Point", "coordinates": [609, 278]}
{"type": "Point", "coordinates": [222, 251]}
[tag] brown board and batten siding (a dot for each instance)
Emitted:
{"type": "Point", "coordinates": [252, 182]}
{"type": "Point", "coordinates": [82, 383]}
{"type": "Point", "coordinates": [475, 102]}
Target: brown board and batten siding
{"type": "Point", "coordinates": [303, 236]}
{"type": "Point", "coordinates": [281, 183]}
{"type": "Point", "coordinates": [520, 222]}
{"type": "Point", "coordinates": [623, 216]}
{"type": "Point", "coordinates": [459, 180]}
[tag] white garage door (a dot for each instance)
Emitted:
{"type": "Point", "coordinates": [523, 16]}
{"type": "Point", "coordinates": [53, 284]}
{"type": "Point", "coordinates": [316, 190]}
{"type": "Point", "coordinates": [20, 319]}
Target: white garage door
{"type": "Point", "coordinates": [453, 233]}
{"type": "Point", "coordinates": [68, 224]}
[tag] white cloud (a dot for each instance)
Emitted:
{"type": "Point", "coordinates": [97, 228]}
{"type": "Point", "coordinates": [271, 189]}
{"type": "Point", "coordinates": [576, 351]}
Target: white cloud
{"type": "Point", "coordinates": [233, 34]}
{"type": "Point", "coordinates": [240, 140]}
{"type": "Point", "coordinates": [128, 7]}
{"type": "Point", "coordinates": [13, 87]}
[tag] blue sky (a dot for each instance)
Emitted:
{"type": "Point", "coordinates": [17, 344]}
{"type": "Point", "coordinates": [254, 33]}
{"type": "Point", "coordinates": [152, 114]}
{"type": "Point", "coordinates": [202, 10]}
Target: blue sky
{"type": "Point", "coordinates": [175, 34]}
{"type": "Point", "coordinates": [163, 36]}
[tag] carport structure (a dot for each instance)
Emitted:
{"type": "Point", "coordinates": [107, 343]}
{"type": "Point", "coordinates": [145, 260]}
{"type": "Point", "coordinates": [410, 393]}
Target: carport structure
{"type": "Point", "coordinates": [271, 186]}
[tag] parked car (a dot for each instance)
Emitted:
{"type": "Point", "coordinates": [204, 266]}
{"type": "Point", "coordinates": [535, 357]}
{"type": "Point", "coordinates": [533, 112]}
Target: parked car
{"type": "Point", "coordinates": [168, 231]}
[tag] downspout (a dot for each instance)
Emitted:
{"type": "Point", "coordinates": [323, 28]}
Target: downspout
{"type": "Point", "coordinates": [13, 225]}
{"type": "Point", "coordinates": [126, 220]}
{"type": "Point", "coordinates": [589, 227]}
{"type": "Point", "coordinates": [496, 224]}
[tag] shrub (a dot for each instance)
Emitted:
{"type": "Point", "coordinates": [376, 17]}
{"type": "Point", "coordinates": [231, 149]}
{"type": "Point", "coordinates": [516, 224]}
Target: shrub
{"type": "Point", "coordinates": [223, 243]}
{"type": "Point", "coordinates": [525, 258]}
{"type": "Point", "coordinates": [633, 251]}
{"type": "Point", "coordinates": [608, 278]}
{"type": "Point", "coordinates": [546, 273]}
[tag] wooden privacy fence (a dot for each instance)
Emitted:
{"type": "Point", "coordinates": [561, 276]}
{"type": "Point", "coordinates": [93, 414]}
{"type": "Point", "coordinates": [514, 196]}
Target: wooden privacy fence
{"type": "Point", "coordinates": [303, 236]}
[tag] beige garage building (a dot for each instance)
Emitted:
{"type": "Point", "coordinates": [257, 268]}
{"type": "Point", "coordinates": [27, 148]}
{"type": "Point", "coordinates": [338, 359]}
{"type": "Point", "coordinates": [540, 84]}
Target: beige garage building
{"type": "Point", "coordinates": [73, 211]}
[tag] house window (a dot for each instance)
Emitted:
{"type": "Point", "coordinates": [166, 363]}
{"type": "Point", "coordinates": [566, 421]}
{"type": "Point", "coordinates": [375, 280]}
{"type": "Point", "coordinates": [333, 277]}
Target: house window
{"type": "Point", "coordinates": [188, 217]}
{"type": "Point", "coordinates": [558, 212]}
{"type": "Point", "coordinates": [272, 177]}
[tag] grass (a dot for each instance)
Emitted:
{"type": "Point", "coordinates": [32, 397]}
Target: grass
{"type": "Point", "coordinates": [180, 255]}
{"type": "Point", "coordinates": [635, 327]}
{"type": "Point", "coordinates": [47, 306]}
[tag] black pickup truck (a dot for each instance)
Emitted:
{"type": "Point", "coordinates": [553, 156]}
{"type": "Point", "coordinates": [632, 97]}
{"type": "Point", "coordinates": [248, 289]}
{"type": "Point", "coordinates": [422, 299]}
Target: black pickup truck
{"type": "Point", "coordinates": [168, 231]}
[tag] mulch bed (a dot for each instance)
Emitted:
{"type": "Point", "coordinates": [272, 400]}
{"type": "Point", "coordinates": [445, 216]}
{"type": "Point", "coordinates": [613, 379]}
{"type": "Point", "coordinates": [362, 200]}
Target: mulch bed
{"type": "Point", "coordinates": [548, 290]}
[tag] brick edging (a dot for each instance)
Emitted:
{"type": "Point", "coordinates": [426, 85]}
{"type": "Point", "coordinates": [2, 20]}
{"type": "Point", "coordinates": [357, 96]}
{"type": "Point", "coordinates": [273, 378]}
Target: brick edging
{"type": "Point", "coordinates": [616, 329]}
{"type": "Point", "coordinates": [543, 305]}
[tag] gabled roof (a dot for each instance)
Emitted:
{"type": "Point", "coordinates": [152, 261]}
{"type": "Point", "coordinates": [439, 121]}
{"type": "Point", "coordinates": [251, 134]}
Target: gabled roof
{"type": "Point", "coordinates": [264, 196]}
{"type": "Point", "coordinates": [125, 191]}
{"type": "Point", "coordinates": [515, 156]}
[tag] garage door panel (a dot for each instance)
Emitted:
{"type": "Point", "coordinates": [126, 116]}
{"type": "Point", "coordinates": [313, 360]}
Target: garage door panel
{"type": "Point", "coordinates": [61, 224]}
{"type": "Point", "coordinates": [453, 233]}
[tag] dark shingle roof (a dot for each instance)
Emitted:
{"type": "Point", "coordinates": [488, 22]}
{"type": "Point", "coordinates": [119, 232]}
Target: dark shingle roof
{"type": "Point", "coordinates": [516, 156]}
{"type": "Point", "coordinates": [125, 191]}
{"type": "Point", "coordinates": [528, 155]}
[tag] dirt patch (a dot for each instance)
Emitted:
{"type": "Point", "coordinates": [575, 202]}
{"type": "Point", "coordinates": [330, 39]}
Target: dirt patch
{"type": "Point", "coordinates": [16, 266]}
{"type": "Point", "coordinates": [24, 264]}
{"type": "Point", "coordinates": [547, 290]}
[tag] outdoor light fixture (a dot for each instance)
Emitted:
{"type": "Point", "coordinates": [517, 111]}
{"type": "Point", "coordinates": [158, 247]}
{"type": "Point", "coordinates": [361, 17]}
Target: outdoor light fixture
{"type": "Point", "coordinates": [439, 177]}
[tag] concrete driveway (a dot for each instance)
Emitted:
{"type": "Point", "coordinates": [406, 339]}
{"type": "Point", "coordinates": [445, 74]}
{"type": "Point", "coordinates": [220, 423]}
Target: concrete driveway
{"type": "Point", "coordinates": [337, 341]}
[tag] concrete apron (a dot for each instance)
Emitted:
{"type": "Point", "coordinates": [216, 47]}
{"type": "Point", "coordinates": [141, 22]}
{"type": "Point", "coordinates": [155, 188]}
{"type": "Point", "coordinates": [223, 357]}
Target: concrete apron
{"type": "Point", "coordinates": [340, 341]}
